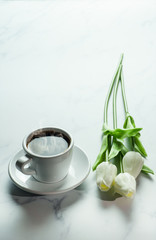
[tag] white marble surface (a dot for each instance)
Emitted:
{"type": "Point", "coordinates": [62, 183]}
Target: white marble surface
{"type": "Point", "coordinates": [57, 59]}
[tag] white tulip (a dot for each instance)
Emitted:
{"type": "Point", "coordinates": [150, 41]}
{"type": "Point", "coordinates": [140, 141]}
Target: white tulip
{"type": "Point", "coordinates": [105, 174]}
{"type": "Point", "coordinates": [125, 185]}
{"type": "Point", "coordinates": [133, 163]}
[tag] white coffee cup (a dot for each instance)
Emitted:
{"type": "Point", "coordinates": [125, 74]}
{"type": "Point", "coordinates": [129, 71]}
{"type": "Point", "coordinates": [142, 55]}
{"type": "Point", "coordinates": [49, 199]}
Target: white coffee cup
{"type": "Point", "coordinates": [48, 166]}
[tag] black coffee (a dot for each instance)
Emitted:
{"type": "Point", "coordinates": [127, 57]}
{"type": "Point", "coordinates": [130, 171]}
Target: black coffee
{"type": "Point", "coordinates": [48, 145]}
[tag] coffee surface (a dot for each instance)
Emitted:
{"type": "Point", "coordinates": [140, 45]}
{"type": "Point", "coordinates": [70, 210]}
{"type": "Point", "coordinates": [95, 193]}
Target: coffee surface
{"type": "Point", "coordinates": [48, 145]}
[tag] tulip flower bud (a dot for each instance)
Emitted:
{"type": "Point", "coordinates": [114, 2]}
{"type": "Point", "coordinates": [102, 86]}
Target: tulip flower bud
{"type": "Point", "coordinates": [105, 174]}
{"type": "Point", "coordinates": [133, 163]}
{"type": "Point", "coordinates": [125, 185]}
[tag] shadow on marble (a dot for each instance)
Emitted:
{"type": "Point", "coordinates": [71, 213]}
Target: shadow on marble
{"type": "Point", "coordinates": [121, 203]}
{"type": "Point", "coordinates": [144, 175]}
{"type": "Point", "coordinates": [15, 191]}
{"type": "Point", "coordinates": [108, 196]}
{"type": "Point", "coordinates": [105, 196]}
{"type": "Point", "coordinates": [110, 200]}
{"type": "Point", "coordinates": [37, 209]}
{"type": "Point", "coordinates": [82, 187]}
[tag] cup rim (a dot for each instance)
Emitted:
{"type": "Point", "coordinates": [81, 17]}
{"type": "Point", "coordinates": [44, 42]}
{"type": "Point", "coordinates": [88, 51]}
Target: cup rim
{"type": "Point", "coordinates": [66, 133]}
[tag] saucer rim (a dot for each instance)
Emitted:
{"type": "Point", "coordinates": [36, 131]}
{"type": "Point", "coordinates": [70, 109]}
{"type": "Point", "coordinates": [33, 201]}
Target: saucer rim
{"type": "Point", "coordinates": [11, 175]}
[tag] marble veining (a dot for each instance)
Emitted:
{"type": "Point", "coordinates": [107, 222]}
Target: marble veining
{"type": "Point", "coordinates": [57, 59]}
{"type": "Point", "coordinates": [55, 203]}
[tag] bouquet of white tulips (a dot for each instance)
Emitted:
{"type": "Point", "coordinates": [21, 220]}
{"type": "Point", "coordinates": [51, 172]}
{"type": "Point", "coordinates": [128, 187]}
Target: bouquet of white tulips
{"type": "Point", "coordinates": [118, 164]}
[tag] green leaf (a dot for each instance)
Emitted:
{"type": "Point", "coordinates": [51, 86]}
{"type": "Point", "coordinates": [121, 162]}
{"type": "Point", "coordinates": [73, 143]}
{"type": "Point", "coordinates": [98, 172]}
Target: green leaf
{"type": "Point", "coordinates": [139, 147]}
{"type": "Point", "coordinates": [129, 122]}
{"type": "Point", "coordinates": [147, 170]}
{"type": "Point", "coordinates": [116, 148]}
{"type": "Point", "coordinates": [122, 133]}
{"type": "Point", "coordinates": [117, 161]}
{"type": "Point", "coordinates": [105, 127]}
{"type": "Point", "coordinates": [101, 155]}
{"type": "Point", "coordinates": [124, 150]}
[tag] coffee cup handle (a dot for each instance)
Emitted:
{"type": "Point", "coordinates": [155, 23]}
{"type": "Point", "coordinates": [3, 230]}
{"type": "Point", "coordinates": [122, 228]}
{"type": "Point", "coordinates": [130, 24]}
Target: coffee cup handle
{"type": "Point", "coordinates": [21, 165]}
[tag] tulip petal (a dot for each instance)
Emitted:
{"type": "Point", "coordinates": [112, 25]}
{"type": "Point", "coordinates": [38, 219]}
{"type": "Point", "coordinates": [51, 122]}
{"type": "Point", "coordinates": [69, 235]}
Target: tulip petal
{"type": "Point", "coordinates": [103, 187]}
{"type": "Point", "coordinates": [125, 185]}
{"type": "Point", "coordinates": [105, 174]}
{"type": "Point", "coordinates": [133, 163]}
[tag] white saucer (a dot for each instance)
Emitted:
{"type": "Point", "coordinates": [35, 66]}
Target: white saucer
{"type": "Point", "coordinates": [78, 172]}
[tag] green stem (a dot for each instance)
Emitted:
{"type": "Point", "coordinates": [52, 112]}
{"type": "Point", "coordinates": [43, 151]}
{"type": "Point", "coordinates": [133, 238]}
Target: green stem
{"type": "Point", "coordinates": [131, 140]}
{"type": "Point", "coordinates": [108, 149]}
{"type": "Point", "coordinates": [106, 142]}
{"type": "Point", "coordinates": [107, 101]}
{"type": "Point", "coordinates": [123, 93]}
{"type": "Point", "coordinates": [121, 165]}
{"type": "Point", "coordinates": [115, 97]}
{"type": "Point", "coordinates": [110, 91]}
